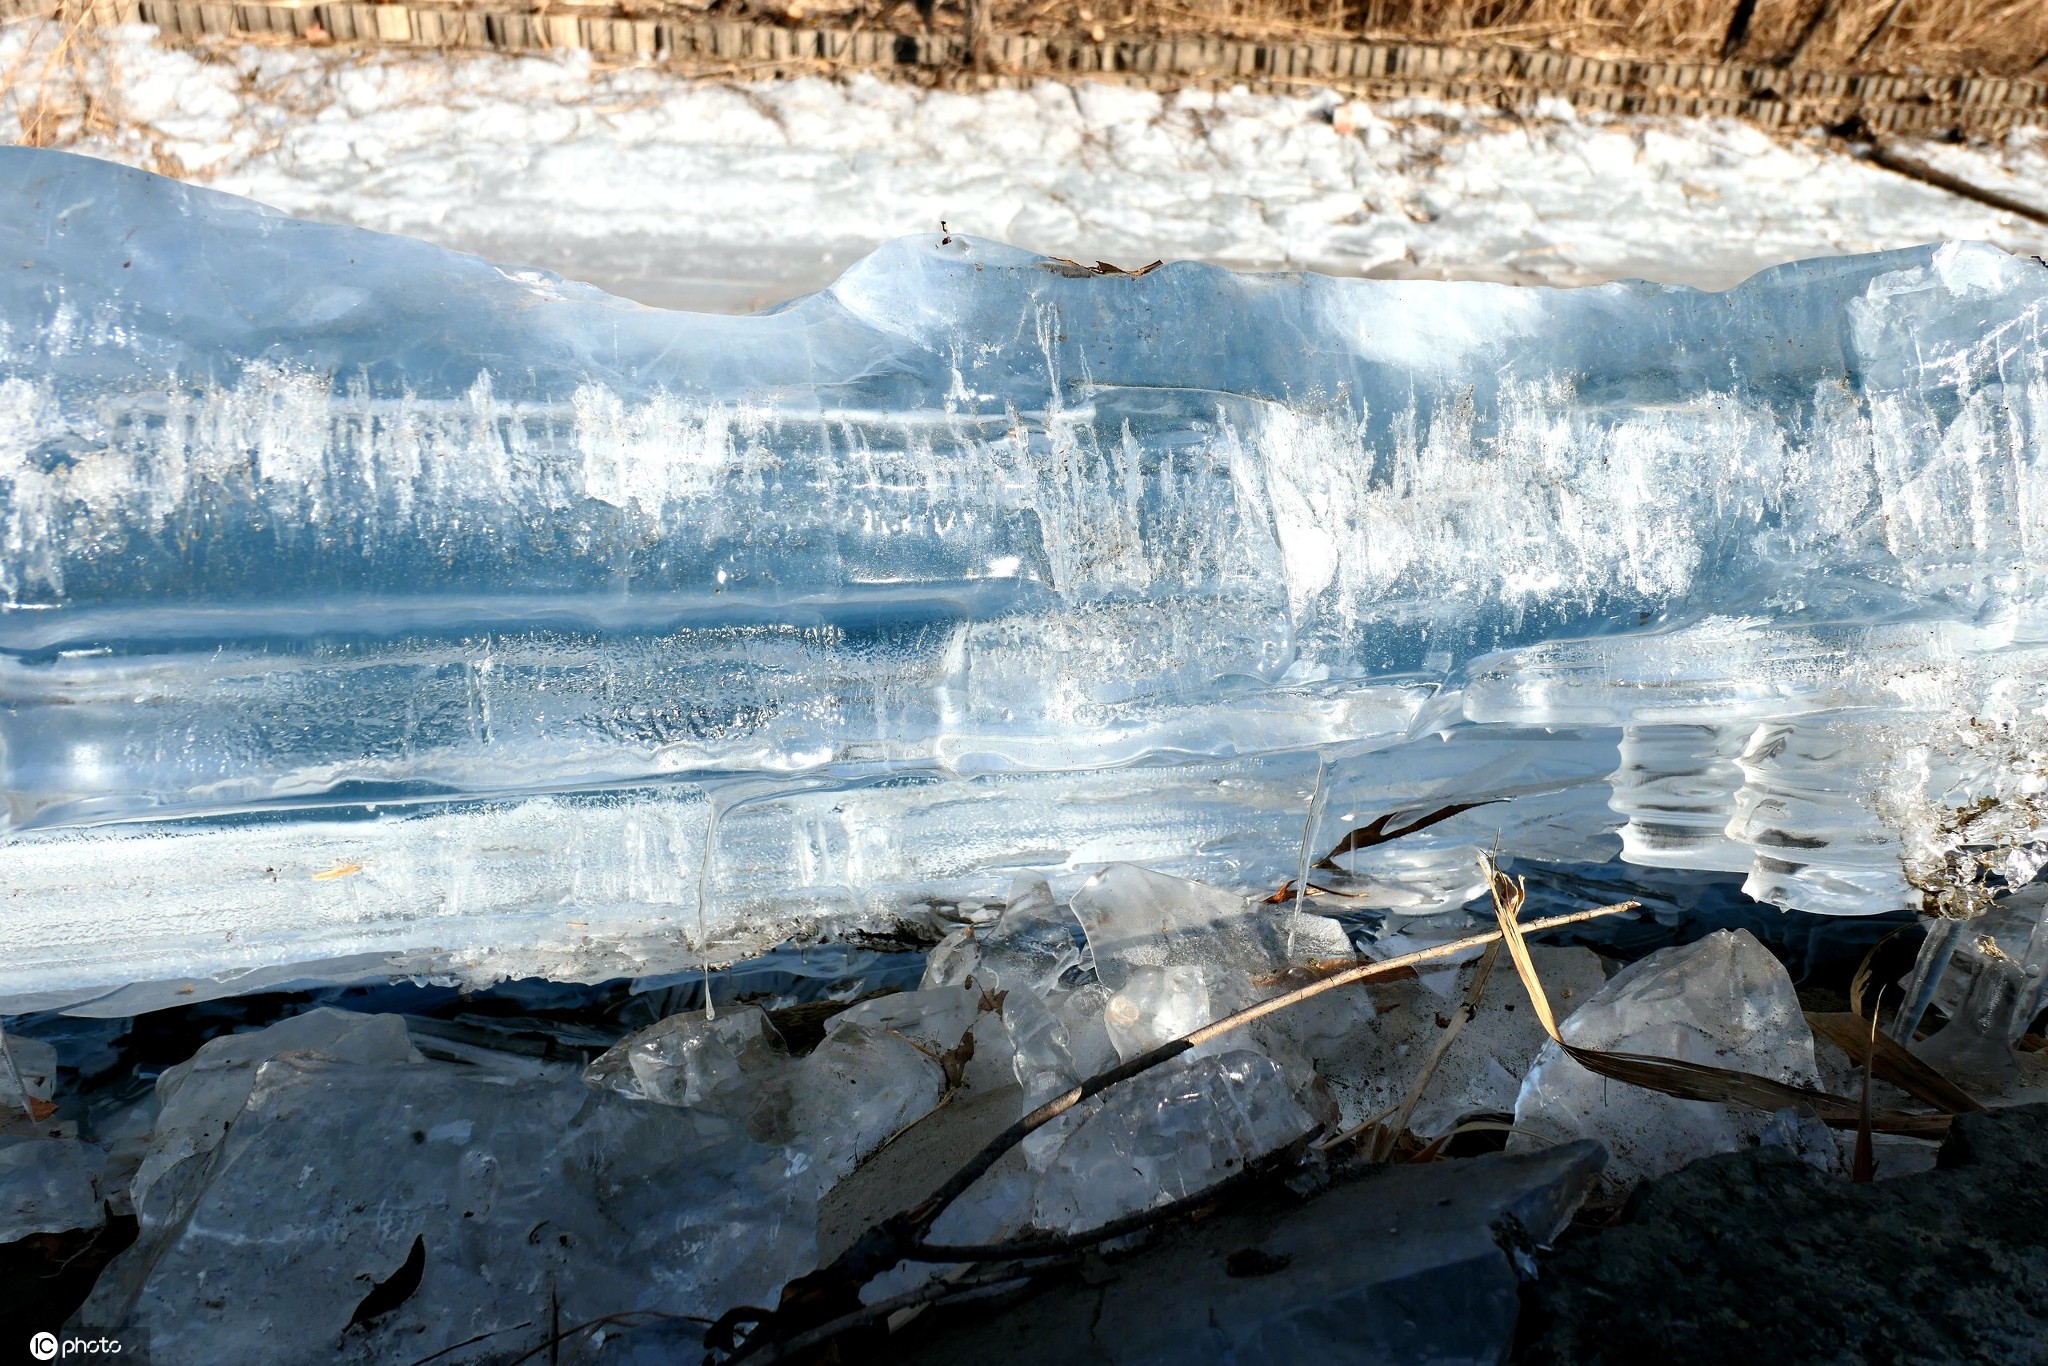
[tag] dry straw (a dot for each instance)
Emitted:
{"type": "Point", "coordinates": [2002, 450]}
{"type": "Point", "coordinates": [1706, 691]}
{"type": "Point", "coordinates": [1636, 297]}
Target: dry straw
{"type": "Point", "coordinates": [1691, 1080]}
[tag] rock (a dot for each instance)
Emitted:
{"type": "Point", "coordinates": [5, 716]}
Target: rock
{"type": "Point", "coordinates": [1404, 1265]}
{"type": "Point", "coordinates": [1723, 1001]}
{"type": "Point", "coordinates": [49, 1185]}
{"type": "Point", "coordinates": [1759, 1249]}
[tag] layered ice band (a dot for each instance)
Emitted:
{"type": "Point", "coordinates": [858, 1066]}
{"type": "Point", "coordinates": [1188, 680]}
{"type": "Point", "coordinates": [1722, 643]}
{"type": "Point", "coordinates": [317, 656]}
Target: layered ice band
{"type": "Point", "coordinates": [363, 597]}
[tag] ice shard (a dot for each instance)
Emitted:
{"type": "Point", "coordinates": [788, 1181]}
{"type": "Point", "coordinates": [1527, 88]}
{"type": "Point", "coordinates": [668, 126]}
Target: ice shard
{"type": "Point", "coordinates": [363, 598]}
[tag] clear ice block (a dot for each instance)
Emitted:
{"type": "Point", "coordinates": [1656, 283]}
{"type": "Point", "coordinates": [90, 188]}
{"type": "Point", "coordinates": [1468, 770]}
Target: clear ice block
{"type": "Point", "coordinates": [364, 599]}
{"type": "Point", "coordinates": [1723, 1001]}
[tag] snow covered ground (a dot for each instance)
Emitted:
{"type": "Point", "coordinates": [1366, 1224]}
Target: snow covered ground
{"type": "Point", "coordinates": [735, 196]}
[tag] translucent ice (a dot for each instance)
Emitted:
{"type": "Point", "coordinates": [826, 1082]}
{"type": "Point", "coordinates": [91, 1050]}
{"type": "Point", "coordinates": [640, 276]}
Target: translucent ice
{"type": "Point", "coordinates": [28, 1072]}
{"type": "Point", "coordinates": [691, 1060]}
{"type": "Point", "coordinates": [1139, 918]}
{"type": "Point", "coordinates": [935, 1019]}
{"type": "Point", "coordinates": [1156, 1004]}
{"type": "Point", "coordinates": [1169, 1133]}
{"type": "Point", "coordinates": [202, 1096]}
{"type": "Point", "coordinates": [858, 1087]}
{"type": "Point", "coordinates": [1027, 947]}
{"type": "Point", "coordinates": [1023, 1038]}
{"type": "Point", "coordinates": [49, 1185]}
{"type": "Point", "coordinates": [498, 1195]}
{"type": "Point", "coordinates": [360, 600]}
{"type": "Point", "coordinates": [1723, 1001]}
{"type": "Point", "coordinates": [1370, 1062]}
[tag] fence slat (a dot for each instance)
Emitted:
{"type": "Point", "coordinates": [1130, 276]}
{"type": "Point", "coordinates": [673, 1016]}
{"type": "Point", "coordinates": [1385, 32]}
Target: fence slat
{"type": "Point", "coordinates": [1491, 75]}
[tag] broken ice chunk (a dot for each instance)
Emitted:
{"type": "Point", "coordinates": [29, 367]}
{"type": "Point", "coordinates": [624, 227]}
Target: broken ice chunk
{"type": "Point", "coordinates": [953, 960]}
{"type": "Point", "coordinates": [690, 1059]}
{"type": "Point", "coordinates": [859, 1086]}
{"type": "Point", "coordinates": [35, 1062]}
{"type": "Point", "coordinates": [1157, 1004]}
{"type": "Point", "coordinates": [1169, 1133]}
{"type": "Point", "coordinates": [1083, 1016]}
{"type": "Point", "coordinates": [1028, 947]}
{"type": "Point", "coordinates": [1991, 984]}
{"type": "Point", "coordinates": [1723, 1001]}
{"type": "Point", "coordinates": [1137, 918]}
{"type": "Point", "coordinates": [1801, 1131]}
{"type": "Point", "coordinates": [1974, 1049]}
{"type": "Point", "coordinates": [1021, 1041]}
{"type": "Point", "coordinates": [469, 1200]}
{"type": "Point", "coordinates": [1371, 1058]}
{"type": "Point", "coordinates": [1032, 944]}
{"type": "Point", "coordinates": [49, 1185]}
{"type": "Point", "coordinates": [202, 1095]}
{"type": "Point", "coordinates": [936, 1019]}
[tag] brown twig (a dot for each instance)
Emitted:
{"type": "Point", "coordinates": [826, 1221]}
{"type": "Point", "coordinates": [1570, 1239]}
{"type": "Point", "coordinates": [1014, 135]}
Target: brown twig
{"type": "Point", "coordinates": [1377, 831]}
{"type": "Point", "coordinates": [826, 1293]}
{"type": "Point", "coordinates": [1383, 1144]}
{"type": "Point", "coordinates": [1880, 155]}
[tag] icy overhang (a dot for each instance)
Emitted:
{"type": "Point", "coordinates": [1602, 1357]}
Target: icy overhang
{"type": "Point", "coordinates": [364, 598]}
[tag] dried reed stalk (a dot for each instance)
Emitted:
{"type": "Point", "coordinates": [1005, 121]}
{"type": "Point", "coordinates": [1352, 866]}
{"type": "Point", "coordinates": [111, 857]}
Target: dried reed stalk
{"type": "Point", "coordinates": [59, 82]}
{"type": "Point", "coordinates": [1675, 1077]}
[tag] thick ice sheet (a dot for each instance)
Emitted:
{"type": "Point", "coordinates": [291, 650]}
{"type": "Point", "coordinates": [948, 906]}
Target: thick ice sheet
{"type": "Point", "coordinates": [361, 596]}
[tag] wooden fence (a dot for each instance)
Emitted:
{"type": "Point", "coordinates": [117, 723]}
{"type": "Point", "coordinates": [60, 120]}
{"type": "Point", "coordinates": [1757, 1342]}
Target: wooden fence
{"type": "Point", "coordinates": [1509, 78]}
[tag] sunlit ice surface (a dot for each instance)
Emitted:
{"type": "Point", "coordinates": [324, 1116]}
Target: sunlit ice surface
{"type": "Point", "coordinates": [366, 598]}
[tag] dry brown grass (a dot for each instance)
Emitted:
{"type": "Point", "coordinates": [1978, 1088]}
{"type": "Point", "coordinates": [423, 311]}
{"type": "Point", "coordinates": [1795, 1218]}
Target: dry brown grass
{"type": "Point", "coordinates": [56, 82]}
{"type": "Point", "coordinates": [2003, 37]}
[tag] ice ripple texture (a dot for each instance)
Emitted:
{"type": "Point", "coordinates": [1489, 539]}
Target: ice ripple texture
{"type": "Point", "coordinates": [362, 596]}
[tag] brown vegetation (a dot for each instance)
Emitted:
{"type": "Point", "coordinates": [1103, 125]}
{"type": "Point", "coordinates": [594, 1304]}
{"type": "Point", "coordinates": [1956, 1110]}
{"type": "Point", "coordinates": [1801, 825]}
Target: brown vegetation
{"type": "Point", "coordinates": [1999, 37]}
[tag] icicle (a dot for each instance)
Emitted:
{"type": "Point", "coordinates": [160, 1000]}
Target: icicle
{"type": "Point", "coordinates": [1309, 827]}
{"type": "Point", "coordinates": [14, 1075]}
{"type": "Point", "coordinates": [1943, 935]}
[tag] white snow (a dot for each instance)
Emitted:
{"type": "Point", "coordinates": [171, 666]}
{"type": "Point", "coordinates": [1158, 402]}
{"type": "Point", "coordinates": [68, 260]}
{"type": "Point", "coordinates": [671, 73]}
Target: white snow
{"type": "Point", "coordinates": [735, 196]}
